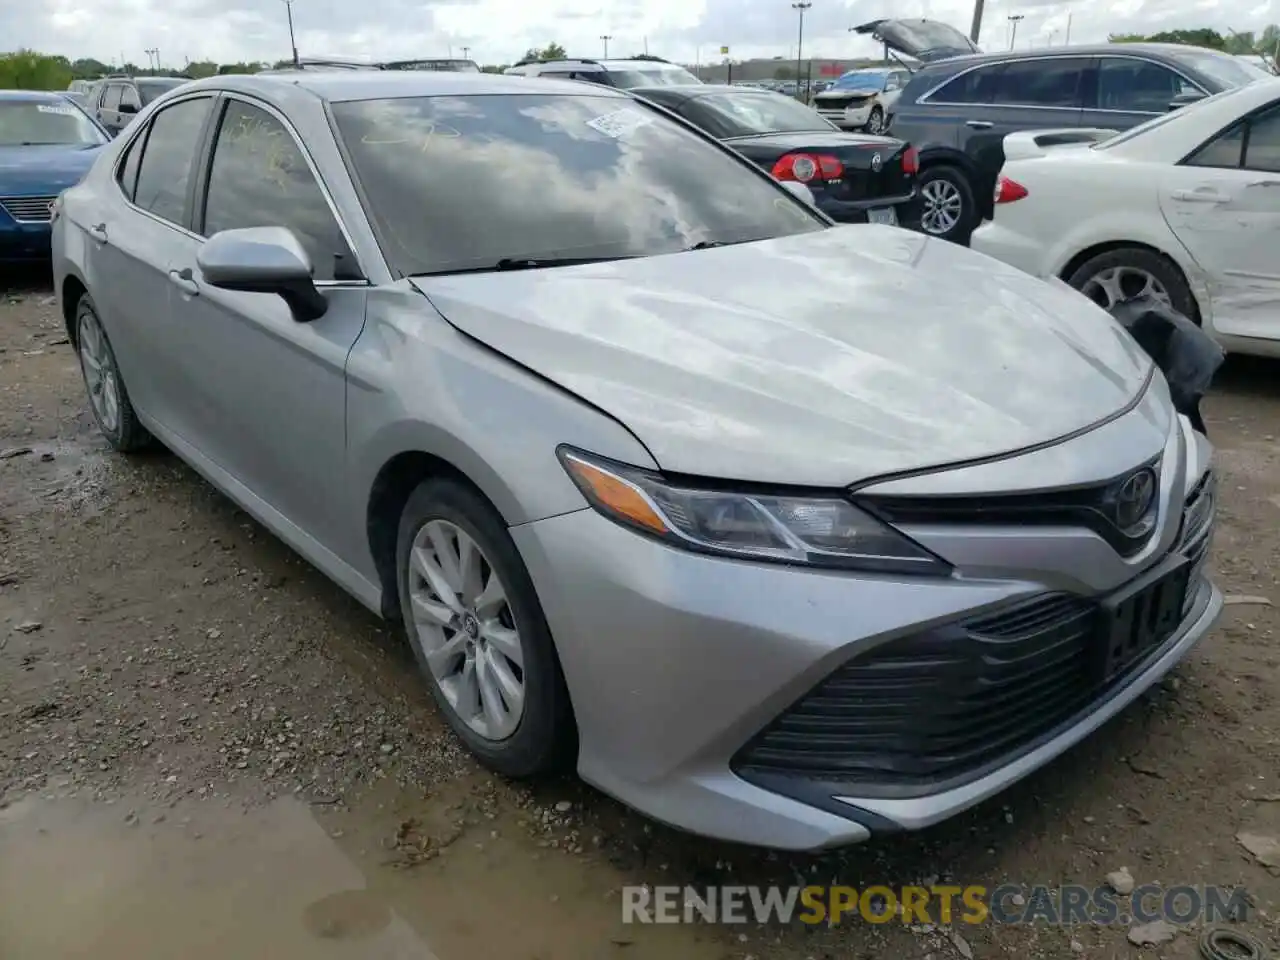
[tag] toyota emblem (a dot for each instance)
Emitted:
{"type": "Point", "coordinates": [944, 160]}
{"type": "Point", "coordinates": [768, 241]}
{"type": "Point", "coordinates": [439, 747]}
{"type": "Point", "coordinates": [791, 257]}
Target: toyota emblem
{"type": "Point", "coordinates": [876, 162]}
{"type": "Point", "coordinates": [1134, 498]}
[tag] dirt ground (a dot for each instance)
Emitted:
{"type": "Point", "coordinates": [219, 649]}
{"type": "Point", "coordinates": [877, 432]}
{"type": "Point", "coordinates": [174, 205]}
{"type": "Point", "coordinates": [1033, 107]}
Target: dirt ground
{"type": "Point", "coordinates": [207, 749]}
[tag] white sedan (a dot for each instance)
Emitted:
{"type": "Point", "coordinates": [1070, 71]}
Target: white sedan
{"type": "Point", "coordinates": [1185, 206]}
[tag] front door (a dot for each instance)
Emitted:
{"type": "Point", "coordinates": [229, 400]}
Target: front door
{"type": "Point", "coordinates": [267, 394]}
{"type": "Point", "coordinates": [1223, 203]}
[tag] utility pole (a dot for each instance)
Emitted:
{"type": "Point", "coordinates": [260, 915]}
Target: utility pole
{"type": "Point", "coordinates": [1015, 19]}
{"type": "Point", "coordinates": [293, 43]}
{"type": "Point", "coordinates": [153, 57]}
{"type": "Point", "coordinates": [802, 6]}
{"type": "Point", "coordinates": [466, 53]}
{"type": "Point", "coordinates": [605, 38]}
{"type": "Point", "coordinates": [976, 28]}
{"type": "Point", "coordinates": [1067, 41]}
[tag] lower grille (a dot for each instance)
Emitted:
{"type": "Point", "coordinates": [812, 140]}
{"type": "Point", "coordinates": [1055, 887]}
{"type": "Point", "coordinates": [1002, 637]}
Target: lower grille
{"type": "Point", "coordinates": [28, 209]}
{"type": "Point", "coordinates": [947, 705]}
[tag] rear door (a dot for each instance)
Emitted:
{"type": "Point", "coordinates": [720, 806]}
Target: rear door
{"type": "Point", "coordinates": [1223, 202]}
{"type": "Point", "coordinates": [109, 109]}
{"type": "Point", "coordinates": [1003, 98]}
{"type": "Point", "coordinates": [1131, 90]}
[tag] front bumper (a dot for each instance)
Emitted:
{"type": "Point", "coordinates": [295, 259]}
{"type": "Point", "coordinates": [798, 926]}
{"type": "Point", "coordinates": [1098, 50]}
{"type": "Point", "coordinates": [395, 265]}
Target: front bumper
{"type": "Point", "coordinates": [677, 663]}
{"type": "Point", "coordinates": [847, 118]}
{"type": "Point", "coordinates": [23, 242]}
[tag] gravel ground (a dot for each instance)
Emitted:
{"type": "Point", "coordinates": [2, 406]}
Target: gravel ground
{"type": "Point", "coordinates": [162, 655]}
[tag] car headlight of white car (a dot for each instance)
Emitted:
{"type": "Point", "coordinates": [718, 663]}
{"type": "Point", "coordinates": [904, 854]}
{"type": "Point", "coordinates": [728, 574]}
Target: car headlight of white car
{"type": "Point", "coordinates": [818, 531]}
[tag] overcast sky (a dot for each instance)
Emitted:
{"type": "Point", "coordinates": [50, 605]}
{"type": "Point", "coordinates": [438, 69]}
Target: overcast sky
{"type": "Point", "coordinates": [496, 31]}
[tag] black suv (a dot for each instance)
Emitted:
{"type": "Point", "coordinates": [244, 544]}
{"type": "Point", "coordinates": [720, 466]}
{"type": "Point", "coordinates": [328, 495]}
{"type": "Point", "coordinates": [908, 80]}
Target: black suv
{"type": "Point", "coordinates": [119, 97]}
{"type": "Point", "coordinates": [958, 107]}
{"type": "Point", "coordinates": [625, 74]}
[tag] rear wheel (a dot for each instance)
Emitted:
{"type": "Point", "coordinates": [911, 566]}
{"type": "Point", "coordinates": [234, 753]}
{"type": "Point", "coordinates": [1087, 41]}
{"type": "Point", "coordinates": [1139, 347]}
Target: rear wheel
{"type": "Point", "coordinates": [108, 398]}
{"type": "Point", "coordinates": [1127, 272]}
{"type": "Point", "coordinates": [947, 206]}
{"type": "Point", "coordinates": [875, 123]}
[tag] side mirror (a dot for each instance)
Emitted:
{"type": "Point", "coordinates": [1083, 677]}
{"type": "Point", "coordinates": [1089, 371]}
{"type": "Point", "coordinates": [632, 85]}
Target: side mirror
{"type": "Point", "coordinates": [126, 107]}
{"type": "Point", "coordinates": [1184, 99]}
{"type": "Point", "coordinates": [263, 260]}
{"type": "Point", "coordinates": [799, 191]}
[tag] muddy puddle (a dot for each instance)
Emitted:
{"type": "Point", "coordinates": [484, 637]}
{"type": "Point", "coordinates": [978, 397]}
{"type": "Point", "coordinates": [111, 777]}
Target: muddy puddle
{"type": "Point", "coordinates": [392, 877]}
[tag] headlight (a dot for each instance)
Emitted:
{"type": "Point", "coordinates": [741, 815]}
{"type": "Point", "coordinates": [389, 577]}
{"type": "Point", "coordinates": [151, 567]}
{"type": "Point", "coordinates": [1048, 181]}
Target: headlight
{"type": "Point", "coordinates": [778, 527]}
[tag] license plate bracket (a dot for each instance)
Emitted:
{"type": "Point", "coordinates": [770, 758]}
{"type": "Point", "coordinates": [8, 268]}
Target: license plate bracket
{"type": "Point", "coordinates": [1140, 617]}
{"type": "Point", "coordinates": [885, 215]}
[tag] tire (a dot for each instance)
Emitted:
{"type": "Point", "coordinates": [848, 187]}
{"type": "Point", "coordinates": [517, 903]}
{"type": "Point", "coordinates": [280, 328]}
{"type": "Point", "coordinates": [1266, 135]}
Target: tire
{"type": "Point", "coordinates": [104, 386]}
{"type": "Point", "coordinates": [544, 737]}
{"type": "Point", "coordinates": [875, 123]}
{"type": "Point", "coordinates": [953, 183]}
{"type": "Point", "coordinates": [1130, 263]}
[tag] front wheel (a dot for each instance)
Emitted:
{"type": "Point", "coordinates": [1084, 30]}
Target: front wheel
{"type": "Point", "coordinates": [479, 633]}
{"type": "Point", "coordinates": [875, 123]}
{"type": "Point", "coordinates": [947, 206]}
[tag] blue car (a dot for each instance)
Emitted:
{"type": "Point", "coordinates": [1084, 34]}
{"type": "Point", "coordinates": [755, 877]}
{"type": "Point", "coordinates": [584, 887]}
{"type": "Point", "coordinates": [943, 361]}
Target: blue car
{"type": "Point", "coordinates": [47, 143]}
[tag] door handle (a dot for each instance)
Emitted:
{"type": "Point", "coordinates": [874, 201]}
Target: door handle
{"type": "Point", "coordinates": [99, 232]}
{"type": "Point", "coordinates": [184, 282]}
{"type": "Point", "coordinates": [979, 124]}
{"type": "Point", "coordinates": [1200, 196]}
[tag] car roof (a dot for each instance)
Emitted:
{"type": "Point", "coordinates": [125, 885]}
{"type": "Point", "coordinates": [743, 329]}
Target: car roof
{"type": "Point", "coordinates": [341, 85]}
{"type": "Point", "coordinates": [1167, 51]}
{"type": "Point", "coordinates": [33, 96]}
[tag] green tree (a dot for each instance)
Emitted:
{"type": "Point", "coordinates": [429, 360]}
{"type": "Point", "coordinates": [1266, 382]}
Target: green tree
{"type": "Point", "coordinates": [29, 70]}
{"type": "Point", "coordinates": [198, 69]}
{"type": "Point", "coordinates": [552, 51]}
{"type": "Point", "coordinates": [1202, 37]}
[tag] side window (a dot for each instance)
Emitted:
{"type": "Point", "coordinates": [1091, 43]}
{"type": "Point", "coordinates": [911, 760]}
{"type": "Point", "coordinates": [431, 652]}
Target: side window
{"type": "Point", "coordinates": [111, 97]}
{"type": "Point", "coordinates": [259, 178]}
{"type": "Point", "coordinates": [977, 86]}
{"type": "Point", "coordinates": [1045, 82]}
{"type": "Point", "coordinates": [1137, 86]}
{"type": "Point", "coordinates": [164, 173]}
{"type": "Point", "coordinates": [1224, 150]}
{"type": "Point", "coordinates": [129, 169]}
{"type": "Point", "coordinates": [1262, 152]}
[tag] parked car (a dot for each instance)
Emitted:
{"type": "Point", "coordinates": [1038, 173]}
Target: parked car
{"type": "Point", "coordinates": [1259, 60]}
{"type": "Point", "coordinates": [47, 143]}
{"type": "Point", "coordinates": [862, 99]}
{"type": "Point", "coordinates": [782, 532]}
{"type": "Point", "coordinates": [959, 107]}
{"type": "Point", "coordinates": [120, 97]}
{"type": "Point", "coordinates": [1185, 207]}
{"type": "Point", "coordinates": [448, 65]}
{"type": "Point", "coordinates": [623, 73]}
{"type": "Point", "coordinates": [853, 178]}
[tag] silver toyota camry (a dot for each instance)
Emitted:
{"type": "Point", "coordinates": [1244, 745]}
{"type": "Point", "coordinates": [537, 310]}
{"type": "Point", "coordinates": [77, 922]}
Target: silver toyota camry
{"type": "Point", "coordinates": [777, 531]}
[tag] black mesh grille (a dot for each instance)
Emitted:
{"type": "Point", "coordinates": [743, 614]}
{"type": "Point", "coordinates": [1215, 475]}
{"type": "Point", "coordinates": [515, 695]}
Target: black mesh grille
{"type": "Point", "coordinates": [945, 705]}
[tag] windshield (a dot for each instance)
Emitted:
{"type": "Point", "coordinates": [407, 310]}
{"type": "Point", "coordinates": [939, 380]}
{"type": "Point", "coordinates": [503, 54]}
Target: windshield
{"type": "Point", "coordinates": [666, 76]}
{"type": "Point", "coordinates": [744, 114]}
{"type": "Point", "coordinates": [457, 183]}
{"type": "Point", "coordinates": [870, 82]}
{"type": "Point", "coordinates": [148, 90]}
{"type": "Point", "coordinates": [1229, 71]}
{"type": "Point", "coordinates": [32, 122]}
{"type": "Point", "coordinates": [1159, 121]}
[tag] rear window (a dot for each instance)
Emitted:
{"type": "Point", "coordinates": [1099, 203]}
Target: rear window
{"type": "Point", "coordinates": [666, 76]}
{"type": "Point", "coordinates": [744, 114]}
{"type": "Point", "coordinates": [149, 90]}
{"type": "Point", "coordinates": [456, 183]}
{"type": "Point", "coordinates": [1229, 72]}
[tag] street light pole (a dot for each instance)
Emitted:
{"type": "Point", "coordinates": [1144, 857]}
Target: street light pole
{"type": "Point", "coordinates": [466, 53]}
{"type": "Point", "coordinates": [605, 38]}
{"type": "Point", "coordinates": [293, 44]}
{"type": "Point", "coordinates": [802, 6]}
{"type": "Point", "coordinates": [1014, 18]}
{"type": "Point", "coordinates": [976, 27]}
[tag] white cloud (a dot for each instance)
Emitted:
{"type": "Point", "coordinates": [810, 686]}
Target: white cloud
{"type": "Point", "coordinates": [497, 31]}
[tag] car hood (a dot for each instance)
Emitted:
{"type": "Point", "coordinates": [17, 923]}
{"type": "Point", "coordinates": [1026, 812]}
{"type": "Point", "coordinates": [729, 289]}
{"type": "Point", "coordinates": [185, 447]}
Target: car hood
{"type": "Point", "coordinates": [44, 169]}
{"type": "Point", "coordinates": [925, 40]}
{"type": "Point", "coordinates": [822, 359]}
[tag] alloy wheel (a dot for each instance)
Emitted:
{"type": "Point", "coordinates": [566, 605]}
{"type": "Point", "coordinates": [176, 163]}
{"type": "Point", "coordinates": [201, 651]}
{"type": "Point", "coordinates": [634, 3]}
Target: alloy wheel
{"type": "Point", "coordinates": [876, 123]}
{"type": "Point", "coordinates": [100, 374]}
{"type": "Point", "coordinates": [465, 629]}
{"type": "Point", "coordinates": [942, 206]}
{"type": "Point", "coordinates": [1113, 285]}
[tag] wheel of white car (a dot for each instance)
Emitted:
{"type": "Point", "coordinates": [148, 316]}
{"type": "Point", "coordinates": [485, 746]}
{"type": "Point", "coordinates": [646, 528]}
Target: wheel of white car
{"type": "Point", "coordinates": [108, 398]}
{"type": "Point", "coordinates": [1125, 272]}
{"type": "Point", "coordinates": [875, 123]}
{"type": "Point", "coordinates": [478, 631]}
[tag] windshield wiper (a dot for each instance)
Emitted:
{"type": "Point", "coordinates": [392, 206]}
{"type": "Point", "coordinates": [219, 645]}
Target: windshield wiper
{"type": "Point", "coordinates": [708, 244]}
{"type": "Point", "coordinates": [525, 263]}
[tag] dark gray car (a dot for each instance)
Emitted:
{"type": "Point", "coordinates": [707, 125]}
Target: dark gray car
{"type": "Point", "coordinates": [959, 106]}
